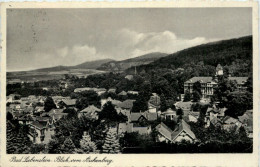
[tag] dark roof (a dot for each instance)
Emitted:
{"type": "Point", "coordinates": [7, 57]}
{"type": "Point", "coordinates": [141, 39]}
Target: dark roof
{"type": "Point", "coordinates": [164, 130]}
{"type": "Point", "coordinates": [39, 125]}
{"type": "Point", "coordinates": [127, 104]}
{"type": "Point", "coordinates": [90, 109]}
{"type": "Point", "coordinates": [149, 116]}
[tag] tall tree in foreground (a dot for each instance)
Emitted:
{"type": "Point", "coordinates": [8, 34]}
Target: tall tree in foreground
{"type": "Point", "coordinates": [68, 146]}
{"type": "Point", "coordinates": [86, 144]}
{"type": "Point", "coordinates": [111, 145]}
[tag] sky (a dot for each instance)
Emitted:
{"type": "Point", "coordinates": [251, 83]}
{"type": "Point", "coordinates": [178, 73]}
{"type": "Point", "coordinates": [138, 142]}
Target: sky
{"type": "Point", "coordinates": [38, 38]}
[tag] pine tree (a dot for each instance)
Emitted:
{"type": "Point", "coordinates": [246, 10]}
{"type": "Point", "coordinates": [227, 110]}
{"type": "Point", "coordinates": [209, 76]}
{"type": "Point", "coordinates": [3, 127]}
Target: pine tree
{"type": "Point", "coordinates": [111, 145]}
{"type": "Point", "coordinates": [10, 137]}
{"type": "Point", "coordinates": [68, 146]}
{"type": "Point", "coordinates": [86, 144]}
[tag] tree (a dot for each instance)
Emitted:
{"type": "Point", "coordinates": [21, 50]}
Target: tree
{"type": "Point", "coordinates": [238, 102]}
{"type": "Point", "coordinates": [68, 146]}
{"type": "Point", "coordinates": [87, 145]}
{"type": "Point", "coordinates": [197, 87]}
{"type": "Point", "coordinates": [180, 113]}
{"type": "Point", "coordinates": [187, 96]}
{"type": "Point", "coordinates": [196, 96]}
{"type": "Point", "coordinates": [49, 104]}
{"type": "Point", "coordinates": [10, 138]}
{"type": "Point", "coordinates": [141, 103]}
{"type": "Point", "coordinates": [87, 98]}
{"type": "Point", "coordinates": [164, 106]}
{"type": "Point", "coordinates": [109, 114]}
{"type": "Point", "coordinates": [111, 145]}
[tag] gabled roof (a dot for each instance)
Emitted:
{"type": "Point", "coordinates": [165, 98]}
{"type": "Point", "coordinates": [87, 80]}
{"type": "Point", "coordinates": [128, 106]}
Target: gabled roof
{"type": "Point", "coordinates": [135, 116]}
{"type": "Point", "coordinates": [214, 121]}
{"type": "Point", "coordinates": [164, 130]}
{"type": "Point", "coordinates": [183, 127]}
{"type": "Point", "coordinates": [42, 119]}
{"type": "Point", "coordinates": [200, 79]}
{"type": "Point", "coordinates": [69, 102]}
{"type": "Point", "coordinates": [55, 111]}
{"type": "Point", "coordinates": [229, 120]}
{"type": "Point", "coordinates": [90, 109]}
{"type": "Point", "coordinates": [195, 114]}
{"type": "Point", "coordinates": [127, 104]}
{"type": "Point", "coordinates": [123, 93]}
{"type": "Point", "coordinates": [149, 116]}
{"type": "Point", "coordinates": [184, 105]}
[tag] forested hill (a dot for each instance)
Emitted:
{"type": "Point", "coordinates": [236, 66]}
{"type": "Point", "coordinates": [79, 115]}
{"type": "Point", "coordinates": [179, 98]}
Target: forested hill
{"type": "Point", "coordinates": [235, 55]}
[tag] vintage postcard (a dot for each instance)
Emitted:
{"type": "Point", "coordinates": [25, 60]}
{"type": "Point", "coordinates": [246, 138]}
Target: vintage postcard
{"type": "Point", "coordinates": [129, 84]}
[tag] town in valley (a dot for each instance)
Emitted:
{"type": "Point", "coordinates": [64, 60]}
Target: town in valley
{"type": "Point", "coordinates": [131, 80]}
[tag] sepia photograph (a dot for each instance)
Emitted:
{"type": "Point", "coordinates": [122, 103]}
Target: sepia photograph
{"type": "Point", "coordinates": [132, 80]}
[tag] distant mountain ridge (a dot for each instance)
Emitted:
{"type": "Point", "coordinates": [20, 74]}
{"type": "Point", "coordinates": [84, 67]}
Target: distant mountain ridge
{"type": "Point", "coordinates": [86, 65]}
{"type": "Point", "coordinates": [128, 63]}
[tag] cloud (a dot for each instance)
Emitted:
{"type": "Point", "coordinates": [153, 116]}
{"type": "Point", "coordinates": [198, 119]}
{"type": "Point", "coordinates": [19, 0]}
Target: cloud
{"type": "Point", "coordinates": [118, 45]}
{"type": "Point", "coordinates": [166, 42]}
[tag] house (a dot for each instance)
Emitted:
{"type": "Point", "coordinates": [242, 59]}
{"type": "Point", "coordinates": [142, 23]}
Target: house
{"type": "Point", "coordinates": [123, 93]}
{"type": "Point", "coordinates": [208, 83]}
{"type": "Point", "coordinates": [240, 82]}
{"type": "Point", "coordinates": [143, 117]}
{"type": "Point", "coordinates": [229, 123]}
{"type": "Point", "coordinates": [129, 128]}
{"type": "Point", "coordinates": [114, 102]}
{"type": "Point", "coordinates": [112, 90]}
{"type": "Point", "coordinates": [67, 103]}
{"type": "Point", "coordinates": [154, 103]}
{"type": "Point", "coordinates": [24, 119]}
{"type": "Point", "coordinates": [78, 90]}
{"type": "Point", "coordinates": [129, 77]}
{"type": "Point", "coordinates": [12, 98]}
{"type": "Point", "coordinates": [39, 109]}
{"type": "Point", "coordinates": [247, 122]}
{"type": "Point", "coordinates": [56, 114]}
{"type": "Point", "coordinates": [39, 133]}
{"type": "Point", "coordinates": [169, 114]}
{"type": "Point", "coordinates": [181, 132]}
{"type": "Point", "coordinates": [216, 122]}
{"type": "Point", "coordinates": [185, 106]}
{"type": "Point", "coordinates": [193, 116]}
{"type": "Point", "coordinates": [164, 133]}
{"type": "Point", "coordinates": [132, 92]}
{"type": "Point", "coordinates": [90, 112]}
{"type": "Point", "coordinates": [127, 104]}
